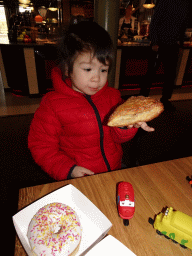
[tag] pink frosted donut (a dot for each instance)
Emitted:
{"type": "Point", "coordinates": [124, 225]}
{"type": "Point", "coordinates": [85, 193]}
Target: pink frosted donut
{"type": "Point", "coordinates": [55, 230]}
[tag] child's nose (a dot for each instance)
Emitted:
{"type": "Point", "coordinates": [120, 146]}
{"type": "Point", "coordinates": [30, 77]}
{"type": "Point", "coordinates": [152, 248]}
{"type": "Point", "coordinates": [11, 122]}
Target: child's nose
{"type": "Point", "coordinates": [96, 76]}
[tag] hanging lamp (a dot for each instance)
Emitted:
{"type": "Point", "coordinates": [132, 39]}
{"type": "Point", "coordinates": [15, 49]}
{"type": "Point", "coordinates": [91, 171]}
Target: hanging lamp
{"type": "Point", "coordinates": [149, 4]}
{"type": "Point", "coordinates": [53, 6]}
{"type": "Point", "coordinates": [24, 2]}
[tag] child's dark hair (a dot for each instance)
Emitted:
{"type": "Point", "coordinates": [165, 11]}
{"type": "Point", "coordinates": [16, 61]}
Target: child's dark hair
{"type": "Point", "coordinates": [87, 36]}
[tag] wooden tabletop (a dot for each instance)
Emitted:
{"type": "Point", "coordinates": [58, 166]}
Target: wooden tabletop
{"type": "Point", "coordinates": [156, 186]}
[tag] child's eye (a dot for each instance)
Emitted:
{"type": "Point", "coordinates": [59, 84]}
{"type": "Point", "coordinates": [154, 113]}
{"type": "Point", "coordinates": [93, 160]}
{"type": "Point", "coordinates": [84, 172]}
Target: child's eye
{"type": "Point", "coordinates": [104, 70]}
{"type": "Point", "coordinates": [87, 69]}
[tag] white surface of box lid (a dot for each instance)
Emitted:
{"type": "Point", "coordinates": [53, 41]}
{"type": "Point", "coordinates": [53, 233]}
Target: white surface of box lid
{"type": "Point", "coordinates": [95, 225]}
{"type": "Point", "coordinates": [110, 246]}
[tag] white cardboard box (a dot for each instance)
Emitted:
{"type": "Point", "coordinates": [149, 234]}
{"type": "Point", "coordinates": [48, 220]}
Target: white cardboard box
{"type": "Point", "coordinates": [94, 223]}
{"type": "Point", "coordinates": [110, 246]}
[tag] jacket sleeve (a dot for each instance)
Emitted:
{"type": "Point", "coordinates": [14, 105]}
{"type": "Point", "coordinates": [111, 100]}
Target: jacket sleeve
{"type": "Point", "coordinates": [43, 142]}
{"type": "Point", "coordinates": [121, 135]}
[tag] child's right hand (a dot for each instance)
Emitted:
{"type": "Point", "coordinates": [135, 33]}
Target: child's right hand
{"type": "Point", "coordinates": [79, 171]}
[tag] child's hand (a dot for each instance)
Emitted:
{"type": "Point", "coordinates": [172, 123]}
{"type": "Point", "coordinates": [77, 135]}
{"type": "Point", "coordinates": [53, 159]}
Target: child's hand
{"type": "Point", "coordinates": [79, 171]}
{"type": "Point", "coordinates": [142, 125]}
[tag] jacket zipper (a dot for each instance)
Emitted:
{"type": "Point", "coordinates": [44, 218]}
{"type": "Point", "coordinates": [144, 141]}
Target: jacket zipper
{"type": "Point", "coordinates": [88, 97]}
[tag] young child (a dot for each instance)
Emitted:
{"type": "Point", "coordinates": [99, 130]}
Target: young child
{"type": "Point", "coordinates": [69, 136]}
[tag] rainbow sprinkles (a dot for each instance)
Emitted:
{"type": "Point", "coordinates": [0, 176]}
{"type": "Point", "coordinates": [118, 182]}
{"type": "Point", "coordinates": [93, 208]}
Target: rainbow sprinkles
{"type": "Point", "coordinates": [55, 230]}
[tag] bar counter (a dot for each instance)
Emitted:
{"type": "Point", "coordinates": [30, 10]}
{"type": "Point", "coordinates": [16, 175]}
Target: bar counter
{"type": "Point", "coordinates": [23, 65]}
{"type": "Point", "coordinates": [132, 65]}
{"type": "Point", "coordinates": [27, 71]}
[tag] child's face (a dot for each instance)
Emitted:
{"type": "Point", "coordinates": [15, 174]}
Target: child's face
{"type": "Point", "coordinates": [88, 75]}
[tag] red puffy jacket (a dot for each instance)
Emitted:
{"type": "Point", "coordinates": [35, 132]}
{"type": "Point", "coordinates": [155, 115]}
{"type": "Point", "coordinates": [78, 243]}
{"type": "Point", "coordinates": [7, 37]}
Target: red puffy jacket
{"type": "Point", "coordinates": [69, 128]}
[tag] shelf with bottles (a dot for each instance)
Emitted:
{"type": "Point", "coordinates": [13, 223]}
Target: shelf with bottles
{"type": "Point", "coordinates": [18, 26]}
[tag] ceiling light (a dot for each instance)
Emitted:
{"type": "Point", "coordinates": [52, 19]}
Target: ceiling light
{"type": "Point", "coordinates": [148, 4]}
{"type": "Point", "coordinates": [53, 6]}
{"type": "Point", "coordinates": [24, 1]}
